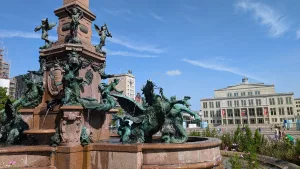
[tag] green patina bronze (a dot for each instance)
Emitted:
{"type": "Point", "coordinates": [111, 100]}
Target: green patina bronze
{"type": "Point", "coordinates": [33, 94]}
{"type": "Point", "coordinates": [45, 27]}
{"type": "Point", "coordinates": [72, 83]}
{"type": "Point", "coordinates": [76, 15]}
{"type": "Point", "coordinates": [89, 76]}
{"type": "Point", "coordinates": [55, 139]}
{"type": "Point", "coordinates": [12, 125]}
{"type": "Point", "coordinates": [84, 137]}
{"type": "Point", "coordinates": [124, 129]}
{"type": "Point", "coordinates": [107, 101]}
{"type": "Point", "coordinates": [103, 32]}
{"type": "Point", "coordinates": [156, 114]}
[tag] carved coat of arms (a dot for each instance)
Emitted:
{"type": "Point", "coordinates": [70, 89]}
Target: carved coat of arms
{"type": "Point", "coordinates": [55, 76]}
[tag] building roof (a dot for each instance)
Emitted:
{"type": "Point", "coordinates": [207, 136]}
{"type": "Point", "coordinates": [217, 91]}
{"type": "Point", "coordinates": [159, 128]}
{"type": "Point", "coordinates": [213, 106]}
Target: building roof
{"type": "Point", "coordinates": [245, 86]}
{"type": "Point", "coordinates": [241, 97]}
{"type": "Point", "coordinates": [296, 98]}
{"type": "Point", "coordinates": [122, 75]}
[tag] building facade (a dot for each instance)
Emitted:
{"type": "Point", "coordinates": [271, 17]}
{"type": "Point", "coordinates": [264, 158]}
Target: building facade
{"type": "Point", "coordinates": [248, 103]}
{"type": "Point", "coordinates": [126, 84]}
{"type": "Point", "coordinates": [138, 98]}
{"type": "Point", "coordinates": [20, 85]}
{"type": "Point", "coordinates": [297, 104]}
{"type": "Point", "coordinates": [12, 87]}
{"type": "Point", "coordinates": [4, 66]}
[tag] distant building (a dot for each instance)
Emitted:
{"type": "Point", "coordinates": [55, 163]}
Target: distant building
{"type": "Point", "coordinates": [4, 72]}
{"type": "Point", "coordinates": [126, 84]}
{"type": "Point", "coordinates": [4, 66]}
{"type": "Point", "coordinates": [297, 104]}
{"type": "Point", "coordinates": [138, 98]}
{"type": "Point", "coordinates": [12, 87]}
{"type": "Point", "coordinates": [20, 86]}
{"type": "Point", "coordinates": [248, 103]}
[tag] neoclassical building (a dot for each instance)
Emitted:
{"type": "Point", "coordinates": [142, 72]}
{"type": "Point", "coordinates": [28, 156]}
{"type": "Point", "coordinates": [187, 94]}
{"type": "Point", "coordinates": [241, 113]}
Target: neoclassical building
{"type": "Point", "coordinates": [248, 103]}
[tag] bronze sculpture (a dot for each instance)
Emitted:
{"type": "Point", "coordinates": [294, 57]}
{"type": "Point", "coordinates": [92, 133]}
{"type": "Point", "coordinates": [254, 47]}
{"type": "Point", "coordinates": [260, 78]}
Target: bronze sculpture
{"type": "Point", "coordinates": [103, 33]}
{"type": "Point", "coordinates": [76, 15]}
{"type": "Point", "coordinates": [45, 27]}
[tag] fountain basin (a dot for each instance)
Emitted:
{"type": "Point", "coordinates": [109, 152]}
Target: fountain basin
{"type": "Point", "coordinates": [196, 153]}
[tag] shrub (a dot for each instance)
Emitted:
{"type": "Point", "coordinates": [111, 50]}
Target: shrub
{"type": "Point", "coordinates": [235, 162]}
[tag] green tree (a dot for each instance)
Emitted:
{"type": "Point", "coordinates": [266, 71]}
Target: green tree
{"type": "Point", "coordinates": [235, 162]}
{"type": "Point", "coordinates": [4, 97]}
{"type": "Point", "coordinates": [257, 140]}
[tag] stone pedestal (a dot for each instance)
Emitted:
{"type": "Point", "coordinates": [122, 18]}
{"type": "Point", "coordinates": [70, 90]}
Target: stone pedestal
{"type": "Point", "coordinates": [71, 125]}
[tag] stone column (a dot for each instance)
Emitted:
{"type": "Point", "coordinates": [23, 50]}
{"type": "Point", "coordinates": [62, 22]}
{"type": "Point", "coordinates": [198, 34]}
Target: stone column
{"type": "Point", "coordinates": [71, 125]}
{"type": "Point", "coordinates": [255, 113]}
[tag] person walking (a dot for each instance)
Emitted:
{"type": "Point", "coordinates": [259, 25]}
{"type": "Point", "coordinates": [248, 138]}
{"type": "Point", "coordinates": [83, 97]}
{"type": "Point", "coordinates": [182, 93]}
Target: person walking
{"type": "Point", "coordinates": [276, 134]}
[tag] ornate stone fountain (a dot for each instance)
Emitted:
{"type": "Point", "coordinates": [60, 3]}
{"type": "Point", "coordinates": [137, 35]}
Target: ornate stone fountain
{"type": "Point", "coordinates": [71, 110]}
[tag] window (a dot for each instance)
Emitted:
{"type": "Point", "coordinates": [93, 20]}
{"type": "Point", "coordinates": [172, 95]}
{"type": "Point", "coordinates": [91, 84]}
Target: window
{"type": "Point", "coordinates": [280, 101]}
{"type": "Point", "coordinates": [229, 113]}
{"type": "Point", "coordinates": [281, 110]}
{"type": "Point", "coordinates": [204, 105]}
{"type": "Point", "coordinates": [229, 103]}
{"type": "Point", "coordinates": [205, 113]}
{"type": "Point", "coordinates": [289, 110]}
{"type": "Point", "coordinates": [236, 103]}
{"type": "Point", "coordinates": [243, 102]}
{"type": "Point", "coordinates": [218, 113]}
{"type": "Point", "coordinates": [236, 94]}
{"type": "Point", "coordinates": [249, 93]}
{"type": "Point", "coordinates": [281, 119]}
{"type": "Point", "coordinates": [258, 102]}
{"type": "Point", "coordinates": [274, 120]}
{"type": "Point", "coordinates": [211, 104]}
{"type": "Point", "coordinates": [229, 94]}
{"type": "Point", "coordinates": [230, 121]}
{"type": "Point", "coordinates": [212, 113]}
{"type": "Point", "coordinates": [218, 104]}
{"type": "Point", "coordinates": [288, 100]}
{"type": "Point", "coordinates": [271, 101]}
{"type": "Point", "coordinates": [260, 121]}
{"type": "Point", "coordinates": [237, 113]}
{"type": "Point", "coordinates": [259, 111]}
{"type": "Point", "coordinates": [245, 121]}
{"type": "Point", "coordinates": [243, 94]}
{"type": "Point", "coordinates": [252, 121]}
{"type": "Point", "coordinates": [250, 102]}
{"type": "Point", "coordinates": [257, 92]}
{"type": "Point", "coordinates": [273, 111]}
{"type": "Point", "coordinates": [251, 112]}
{"type": "Point", "coordinates": [237, 121]}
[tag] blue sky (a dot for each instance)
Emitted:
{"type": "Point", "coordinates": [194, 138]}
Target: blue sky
{"type": "Point", "coordinates": [188, 47]}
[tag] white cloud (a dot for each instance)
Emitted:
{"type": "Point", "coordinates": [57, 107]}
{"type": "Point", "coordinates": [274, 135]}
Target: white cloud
{"type": "Point", "coordinates": [118, 12]}
{"type": "Point", "coordinates": [266, 15]}
{"type": "Point", "coordinates": [298, 34]}
{"type": "Point", "coordinates": [156, 16]}
{"type": "Point", "coordinates": [123, 13]}
{"type": "Point", "coordinates": [134, 46]}
{"type": "Point", "coordinates": [129, 54]}
{"type": "Point", "coordinates": [173, 73]}
{"type": "Point", "coordinates": [219, 66]}
{"type": "Point", "coordinates": [22, 34]}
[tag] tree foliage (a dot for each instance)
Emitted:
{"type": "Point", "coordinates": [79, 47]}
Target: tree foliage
{"type": "Point", "coordinates": [4, 97]}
